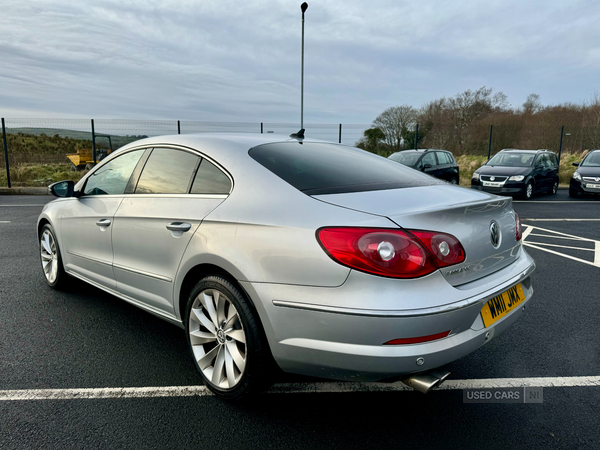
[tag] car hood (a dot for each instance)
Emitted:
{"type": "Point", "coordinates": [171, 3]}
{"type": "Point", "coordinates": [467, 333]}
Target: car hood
{"type": "Point", "coordinates": [503, 170]}
{"type": "Point", "coordinates": [589, 171]}
{"type": "Point", "coordinates": [464, 213]}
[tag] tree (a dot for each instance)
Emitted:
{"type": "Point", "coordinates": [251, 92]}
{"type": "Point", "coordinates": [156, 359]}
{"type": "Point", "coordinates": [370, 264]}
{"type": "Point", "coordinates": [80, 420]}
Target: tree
{"type": "Point", "coordinates": [371, 140]}
{"type": "Point", "coordinates": [532, 104]}
{"type": "Point", "coordinates": [393, 121]}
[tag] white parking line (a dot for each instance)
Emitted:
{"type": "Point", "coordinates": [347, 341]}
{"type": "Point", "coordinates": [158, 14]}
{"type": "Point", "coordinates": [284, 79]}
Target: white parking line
{"type": "Point", "coordinates": [553, 201]}
{"type": "Point", "coordinates": [20, 206]}
{"type": "Point", "coordinates": [291, 388]}
{"type": "Point", "coordinates": [4, 221]}
{"type": "Point", "coordinates": [563, 220]}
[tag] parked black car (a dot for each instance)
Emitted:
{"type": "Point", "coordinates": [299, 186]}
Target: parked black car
{"type": "Point", "coordinates": [518, 172]}
{"type": "Point", "coordinates": [435, 162]}
{"type": "Point", "coordinates": [587, 176]}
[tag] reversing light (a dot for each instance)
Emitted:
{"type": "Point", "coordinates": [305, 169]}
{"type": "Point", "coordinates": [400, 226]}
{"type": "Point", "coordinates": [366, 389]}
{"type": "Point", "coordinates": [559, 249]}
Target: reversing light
{"type": "Point", "coordinates": [386, 251]}
{"type": "Point", "coordinates": [418, 340]}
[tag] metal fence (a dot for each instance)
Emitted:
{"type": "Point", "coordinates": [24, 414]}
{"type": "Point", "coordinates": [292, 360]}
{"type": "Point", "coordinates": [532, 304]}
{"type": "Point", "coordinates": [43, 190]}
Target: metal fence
{"type": "Point", "coordinates": [30, 142]}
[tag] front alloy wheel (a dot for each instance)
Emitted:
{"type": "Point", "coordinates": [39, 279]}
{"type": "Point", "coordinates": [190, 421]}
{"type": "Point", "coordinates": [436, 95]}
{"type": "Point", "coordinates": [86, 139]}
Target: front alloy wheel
{"type": "Point", "coordinates": [528, 191]}
{"type": "Point", "coordinates": [226, 340]}
{"type": "Point", "coordinates": [50, 257]}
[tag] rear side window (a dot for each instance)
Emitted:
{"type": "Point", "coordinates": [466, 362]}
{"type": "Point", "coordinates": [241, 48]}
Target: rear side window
{"type": "Point", "coordinates": [167, 171]}
{"type": "Point", "coordinates": [444, 158]}
{"type": "Point", "coordinates": [322, 168]}
{"type": "Point", "coordinates": [112, 177]}
{"type": "Point", "coordinates": [210, 180]}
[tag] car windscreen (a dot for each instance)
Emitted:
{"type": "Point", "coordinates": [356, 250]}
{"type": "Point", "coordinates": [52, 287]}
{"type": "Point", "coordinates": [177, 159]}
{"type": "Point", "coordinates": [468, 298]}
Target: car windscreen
{"type": "Point", "coordinates": [593, 160]}
{"type": "Point", "coordinates": [407, 158]}
{"type": "Point", "coordinates": [321, 168]}
{"type": "Point", "coordinates": [512, 159]}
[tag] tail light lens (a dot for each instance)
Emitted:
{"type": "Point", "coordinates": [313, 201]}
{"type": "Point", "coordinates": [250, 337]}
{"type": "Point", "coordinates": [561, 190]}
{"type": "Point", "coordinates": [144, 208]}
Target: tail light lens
{"type": "Point", "coordinates": [519, 227]}
{"type": "Point", "coordinates": [391, 253]}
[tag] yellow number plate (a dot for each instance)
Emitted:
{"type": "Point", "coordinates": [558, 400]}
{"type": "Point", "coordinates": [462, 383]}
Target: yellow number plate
{"type": "Point", "coordinates": [502, 304]}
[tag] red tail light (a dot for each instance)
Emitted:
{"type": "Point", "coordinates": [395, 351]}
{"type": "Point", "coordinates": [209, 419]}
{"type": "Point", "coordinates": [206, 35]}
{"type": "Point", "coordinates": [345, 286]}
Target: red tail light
{"type": "Point", "coordinates": [418, 340]}
{"type": "Point", "coordinates": [519, 227]}
{"type": "Point", "coordinates": [390, 252]}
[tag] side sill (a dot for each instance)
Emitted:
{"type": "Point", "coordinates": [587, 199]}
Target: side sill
{"type": "Point", "coordinates": [161, 314]}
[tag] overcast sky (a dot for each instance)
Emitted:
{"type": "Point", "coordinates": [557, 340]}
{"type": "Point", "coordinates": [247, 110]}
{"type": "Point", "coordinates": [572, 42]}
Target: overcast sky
{"type": "Point", "coordinates": [223, 60]}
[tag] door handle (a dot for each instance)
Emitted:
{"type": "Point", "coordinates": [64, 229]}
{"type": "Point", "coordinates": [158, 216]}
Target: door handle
{"type": "Point", "coordinates": [179, 226]}
{"type": "Point", "coordinates": [103, 222]}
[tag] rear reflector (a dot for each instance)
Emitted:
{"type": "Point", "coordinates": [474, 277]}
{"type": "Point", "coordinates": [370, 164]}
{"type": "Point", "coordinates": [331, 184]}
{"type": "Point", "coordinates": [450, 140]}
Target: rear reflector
{"type": "Point", "coordinates": [417, 340]}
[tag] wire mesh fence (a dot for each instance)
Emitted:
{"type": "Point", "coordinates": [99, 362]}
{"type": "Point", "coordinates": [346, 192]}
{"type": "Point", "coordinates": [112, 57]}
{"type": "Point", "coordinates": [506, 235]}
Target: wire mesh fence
{"type": "Point", "coordinates": [40, 150]}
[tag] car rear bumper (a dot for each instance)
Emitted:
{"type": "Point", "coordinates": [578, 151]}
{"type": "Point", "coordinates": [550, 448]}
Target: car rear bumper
{"type": "Point", "coordinates": [311, 333]}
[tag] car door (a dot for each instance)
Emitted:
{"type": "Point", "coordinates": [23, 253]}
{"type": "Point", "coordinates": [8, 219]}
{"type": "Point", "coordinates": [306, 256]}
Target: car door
{"type": "Point", "coordinates": [541, 167]}
{"type": "Point", "coordinates": [153, 226]}
{"type": "Point", "coordinates": [86, 220]}
{"type": "Point", "coordinates": [429, 158]}
{"type": "Point", "coordinates": [444, 167]}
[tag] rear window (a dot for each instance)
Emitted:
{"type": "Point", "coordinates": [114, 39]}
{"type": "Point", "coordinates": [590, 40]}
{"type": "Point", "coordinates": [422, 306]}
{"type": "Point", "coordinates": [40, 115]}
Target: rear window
{"type": "Point", "coordinates": [322, 168]}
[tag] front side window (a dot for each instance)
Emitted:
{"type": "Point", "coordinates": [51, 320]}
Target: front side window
{"type": "Point", "coordinates": [112, 177]}
{"type": "Point", "coordinates": [210, 180]}
{"type": "Point", "coordinates": [429, 158]}
{"type": "Point", "coordinates": [167, 171]}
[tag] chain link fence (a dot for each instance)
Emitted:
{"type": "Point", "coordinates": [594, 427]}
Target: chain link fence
{"type": "Point", "coordinates": [39, 151]}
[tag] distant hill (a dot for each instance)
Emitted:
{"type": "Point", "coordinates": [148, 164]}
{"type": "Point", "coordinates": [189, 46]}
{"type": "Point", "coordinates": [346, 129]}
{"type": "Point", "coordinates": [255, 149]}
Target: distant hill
{"type": "Point", "coordinates": [101, 140]}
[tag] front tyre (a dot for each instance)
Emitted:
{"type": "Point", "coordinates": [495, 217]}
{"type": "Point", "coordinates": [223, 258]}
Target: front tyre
{"type": "Point", "coordinates": [51, 259]}
{"type": "Point", "coordinates": [572, 193]}
{"type": "Point", "coordinates": [528, 191]}
{"type": "Point", "coordinates": [226, 340]}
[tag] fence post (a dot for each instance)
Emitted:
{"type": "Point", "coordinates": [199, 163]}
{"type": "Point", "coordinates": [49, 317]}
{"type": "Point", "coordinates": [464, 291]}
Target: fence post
{"type": "Point", "coordinates": [178, 127]}
{"type": "Point", "coordinates": [416, 136]}
{"type": "Point", "coordinates": [261, 128]}
{"type": "Point", "coordinates": [93, 143]}
{"type": "Point", "coordinates": [340, 139]}
{"type": "Point", "coordinates": [562, 130]}
{"type": "Point", "coordinates": [490, 144]}
{"type": "Point", "coordinates": [5, 152]}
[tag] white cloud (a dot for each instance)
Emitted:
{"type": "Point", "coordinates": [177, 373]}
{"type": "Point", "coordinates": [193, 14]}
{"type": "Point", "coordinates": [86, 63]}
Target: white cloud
{"type": "Point", "coordinates": [232, 61]}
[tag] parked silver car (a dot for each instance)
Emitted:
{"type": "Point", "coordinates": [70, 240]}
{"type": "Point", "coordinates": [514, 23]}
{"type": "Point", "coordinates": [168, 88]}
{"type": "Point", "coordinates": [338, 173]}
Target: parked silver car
{"type": "Point", "coordinates": [319, 258]}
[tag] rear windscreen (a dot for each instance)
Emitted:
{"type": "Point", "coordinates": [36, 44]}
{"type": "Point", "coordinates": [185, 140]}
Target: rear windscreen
{"type": "Point", "coordinates": [321, 168]}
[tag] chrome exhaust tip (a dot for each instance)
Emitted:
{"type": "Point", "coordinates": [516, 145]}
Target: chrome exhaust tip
{"type": "Point", "coordinates": [426, 381]}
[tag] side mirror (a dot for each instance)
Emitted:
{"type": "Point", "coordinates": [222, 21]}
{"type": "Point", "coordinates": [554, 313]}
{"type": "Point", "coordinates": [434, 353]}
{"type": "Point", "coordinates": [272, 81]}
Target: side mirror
{"type": "Point", "coordinates": [62, 188]}
{"type": "Point", "coordinates": [576, 164]}
{"type": "Point", "coordinates": [427, 166]}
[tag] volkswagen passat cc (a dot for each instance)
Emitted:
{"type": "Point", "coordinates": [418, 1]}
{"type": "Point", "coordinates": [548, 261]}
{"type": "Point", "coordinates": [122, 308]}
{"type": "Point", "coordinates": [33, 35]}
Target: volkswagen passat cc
{"type": "Point", "coordinates": [322, 259]}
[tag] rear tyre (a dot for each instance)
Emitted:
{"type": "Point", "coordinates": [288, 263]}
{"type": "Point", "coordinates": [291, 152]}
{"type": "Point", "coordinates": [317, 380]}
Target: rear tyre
{"type": "Point", "coordinates": [554, 188]}
{"type": "Point", "coordinates": [226, 340]}
{"type": "Point", "coordinates": [572, 193]}
{"type": "Point", "coordinates": [52, 266]}
{"type": "Point", "coordinates": [528, 191]}
{"type": "Point", "coordinates": [454, 181]}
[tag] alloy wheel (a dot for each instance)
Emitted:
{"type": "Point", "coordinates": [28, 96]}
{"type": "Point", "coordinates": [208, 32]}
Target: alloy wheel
{"type": "Point", "coordinates": [217, 338]}
{"type": "Point", "coordinates": [529, 190]}
{"type": "Point", "coordinates": [49, 255]}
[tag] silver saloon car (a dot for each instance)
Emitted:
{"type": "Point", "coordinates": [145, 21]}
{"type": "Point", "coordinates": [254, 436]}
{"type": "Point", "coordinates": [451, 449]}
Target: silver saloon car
{"type": "Point", "coordinates": [317, 258]}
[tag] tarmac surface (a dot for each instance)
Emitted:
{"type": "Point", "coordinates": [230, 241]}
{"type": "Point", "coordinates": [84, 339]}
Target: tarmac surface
{"type": "Point", "coordinates": [84, 338]}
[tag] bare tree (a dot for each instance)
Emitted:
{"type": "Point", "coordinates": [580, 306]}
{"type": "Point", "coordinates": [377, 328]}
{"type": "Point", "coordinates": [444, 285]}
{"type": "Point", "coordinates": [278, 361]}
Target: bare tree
{"type": "Point", "coordinates": [532, 104]}
{"type": "Point", "coordinates": [393, 121]}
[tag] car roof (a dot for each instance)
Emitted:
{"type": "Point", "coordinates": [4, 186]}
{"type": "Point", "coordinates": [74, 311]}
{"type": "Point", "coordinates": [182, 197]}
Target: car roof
{"type": "Point", "coordinates": [423, 150]}
{"type": "Point", "coordinates": [516, 150]}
